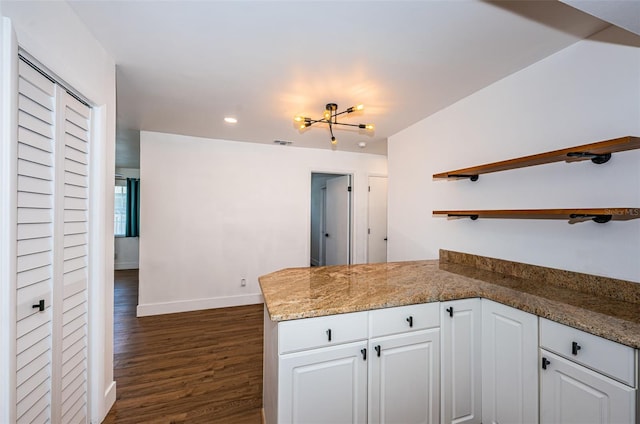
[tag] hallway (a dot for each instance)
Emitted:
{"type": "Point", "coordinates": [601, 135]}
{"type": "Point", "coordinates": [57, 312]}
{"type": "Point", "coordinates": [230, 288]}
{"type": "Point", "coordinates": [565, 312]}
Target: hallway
{"type": "Point", "coordinates": [196, 367]}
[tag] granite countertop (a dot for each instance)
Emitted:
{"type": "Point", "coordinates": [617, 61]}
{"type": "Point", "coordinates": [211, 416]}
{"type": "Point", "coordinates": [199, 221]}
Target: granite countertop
{"type": "Point", "coordinates": [600, 306]}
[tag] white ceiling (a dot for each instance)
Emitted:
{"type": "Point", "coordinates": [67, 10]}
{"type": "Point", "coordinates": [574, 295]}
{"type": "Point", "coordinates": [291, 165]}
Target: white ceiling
{"type": "Point", "coordinates": [182, 66]}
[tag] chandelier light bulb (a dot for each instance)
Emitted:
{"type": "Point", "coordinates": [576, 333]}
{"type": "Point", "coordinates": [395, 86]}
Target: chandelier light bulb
{"type": "Point", "coordinates": [327, 115]}
{"type": "Point", "coordinates": [370, 127]}
{"type": "Point", "coordinates": [298, 118]}
{"type": "Point", "coordinates": [359, 107]}
{"type": "Point", "coordinates": [334, 141]}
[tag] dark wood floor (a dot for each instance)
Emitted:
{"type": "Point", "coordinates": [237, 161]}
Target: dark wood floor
{"type": "Point", "coordinates": [195, 367]}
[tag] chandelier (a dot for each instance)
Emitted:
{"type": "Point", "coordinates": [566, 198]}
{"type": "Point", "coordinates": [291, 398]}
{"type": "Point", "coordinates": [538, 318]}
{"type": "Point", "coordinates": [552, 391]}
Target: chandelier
{"type": "Point", "coordinates": [330, 117]}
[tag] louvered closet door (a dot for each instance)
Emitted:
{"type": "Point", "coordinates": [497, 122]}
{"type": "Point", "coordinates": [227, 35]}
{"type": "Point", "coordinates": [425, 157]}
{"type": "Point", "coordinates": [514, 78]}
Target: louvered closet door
{"type": "Point", "coordinates": [52, 252]}
{"type": "Point", "coordinates": [36, 130]}
{"type": "Point", "coordinates": [75, 260]}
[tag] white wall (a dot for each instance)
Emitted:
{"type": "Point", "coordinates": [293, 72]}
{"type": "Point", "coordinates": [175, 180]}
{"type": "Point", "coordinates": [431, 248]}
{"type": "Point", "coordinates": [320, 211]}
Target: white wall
{"type": "Point", "coordinates": [126, 249]}
{"type": "Point", "coordinates": [53, 34]}
{"type": "Point", "coordinates": [215, 211]}
{"type": "Point", "coordinates": [586, 93]}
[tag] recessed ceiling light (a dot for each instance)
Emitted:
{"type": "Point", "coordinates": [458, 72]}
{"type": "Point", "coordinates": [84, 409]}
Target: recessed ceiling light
{"type": "Point", "coordinates": [230, 120]}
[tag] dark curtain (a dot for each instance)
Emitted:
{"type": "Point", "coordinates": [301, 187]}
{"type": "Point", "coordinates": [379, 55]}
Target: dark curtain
{"type": "Point", "coordinates": [133, 207]}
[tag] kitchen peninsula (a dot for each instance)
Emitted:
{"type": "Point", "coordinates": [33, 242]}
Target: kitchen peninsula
{"type": "Point", "coordinates": [323, 311]}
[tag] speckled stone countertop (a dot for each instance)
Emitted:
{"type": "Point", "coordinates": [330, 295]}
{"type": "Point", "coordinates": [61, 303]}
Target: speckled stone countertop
{"type": "Point", "coordinates": [605, 307]}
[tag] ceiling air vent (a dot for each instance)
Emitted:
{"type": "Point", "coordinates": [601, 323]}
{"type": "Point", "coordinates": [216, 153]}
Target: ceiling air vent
{"type": "Point", "coordinates": [283, 142]}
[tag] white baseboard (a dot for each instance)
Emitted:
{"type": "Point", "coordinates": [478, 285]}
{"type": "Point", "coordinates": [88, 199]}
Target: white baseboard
{"type": "Point", "coordinates": [109, 400]}
{"type": "Point", "coordinates": [118, 266]}
{"type": "Point", "coordinates": [197, 304]}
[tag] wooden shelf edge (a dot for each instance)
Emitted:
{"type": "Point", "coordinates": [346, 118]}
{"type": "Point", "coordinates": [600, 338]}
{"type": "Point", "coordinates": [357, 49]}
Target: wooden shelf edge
{"type": "Point", "coordinates": [597, 214]}
{"type": "Point", "coordinates": [599, 148]}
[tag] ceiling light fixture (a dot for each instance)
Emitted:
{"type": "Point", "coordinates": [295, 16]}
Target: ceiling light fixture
{"type": "Point", "coordinates": [230, 120]}
{"type": "Point", "coordinates": [331, 117]}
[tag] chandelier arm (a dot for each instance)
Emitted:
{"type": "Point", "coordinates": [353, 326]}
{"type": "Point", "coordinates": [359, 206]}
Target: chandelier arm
{"type": "Point", "coordinates": [341, 113]}
{"type": "Point", "coordinates": [349, 125]}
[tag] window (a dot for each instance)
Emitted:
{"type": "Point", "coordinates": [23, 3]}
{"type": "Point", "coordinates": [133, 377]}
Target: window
{"type": "Point", "coordinates": [120, 215]}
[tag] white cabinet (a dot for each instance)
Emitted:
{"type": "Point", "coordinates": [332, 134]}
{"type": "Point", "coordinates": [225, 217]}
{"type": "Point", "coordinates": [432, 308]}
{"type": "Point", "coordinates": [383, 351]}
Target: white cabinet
{"type": "Point", "coordinates": [380, 366]}
{"type": "Point", "coordinates": [327, 385]}
{"type": "Point", "coordinates": [463, 361]}
{"type": "Point", "coordinates": [571, 393]}
{"type": "Point", "coordinates": [461, 393]}
{"type": "Point", "coordinates": [509, 365]}
{"type": "Point", "coordinates": [578, 377]}
{"type": "Point", "coordinates": [404, 368]}
{"type": "Point", "coordinates": [322, 370]}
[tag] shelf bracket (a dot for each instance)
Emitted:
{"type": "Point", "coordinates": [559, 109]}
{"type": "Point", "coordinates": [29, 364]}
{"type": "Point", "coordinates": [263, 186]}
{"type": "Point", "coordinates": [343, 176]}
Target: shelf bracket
{"type": "Point", "coordinates": [597, 158]}
{"type": "Point", "coordinates": [473, 217]}
{"type": "Point", "coordinates": [600, 219]}
{"type": "Point", "coordinates": [472, 177]}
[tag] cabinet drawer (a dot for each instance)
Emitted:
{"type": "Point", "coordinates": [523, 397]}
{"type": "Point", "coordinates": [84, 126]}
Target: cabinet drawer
{"type": "Point", "coordinates": [605, 356]}
{"type": "Point", "coordinates": [309, 333]}
{"type": "Point", "coordinates": [403, 318]}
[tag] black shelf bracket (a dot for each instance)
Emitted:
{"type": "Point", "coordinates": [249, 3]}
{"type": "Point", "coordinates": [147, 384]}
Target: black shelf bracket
{"type": "Point", "coordinates": [471, 216]}
{"type": "Point", "coordinates": [597, 158]}
{"type": "Point", "coordinates": [472, 177]}
{"type": "Point", "coordinates": [600, 219]}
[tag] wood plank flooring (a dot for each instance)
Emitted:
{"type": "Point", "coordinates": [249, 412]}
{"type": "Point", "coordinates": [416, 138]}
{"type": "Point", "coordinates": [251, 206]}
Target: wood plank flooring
{"type": "Point", "coordinates": [195, 367]}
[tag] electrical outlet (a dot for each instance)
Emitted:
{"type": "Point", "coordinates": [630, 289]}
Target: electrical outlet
{"type": "Point", "coordinates": [243, 282]}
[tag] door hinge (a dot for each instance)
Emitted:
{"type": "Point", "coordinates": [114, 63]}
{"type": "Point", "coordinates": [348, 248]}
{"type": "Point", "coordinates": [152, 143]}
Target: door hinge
{"type": "Point", "coordinates": [349, 188]}
{"type": "Point", "coordinates": [368, 230]}
{"type": "Point", "coordinates": [369, 188]}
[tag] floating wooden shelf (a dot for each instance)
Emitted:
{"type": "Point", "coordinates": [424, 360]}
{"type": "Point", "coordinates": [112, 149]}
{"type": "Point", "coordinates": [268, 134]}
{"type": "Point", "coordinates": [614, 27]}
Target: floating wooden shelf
{"type": "Point", "coordinates": [599, 152]}
{"type": "Point", "coordinates": [573, 215]}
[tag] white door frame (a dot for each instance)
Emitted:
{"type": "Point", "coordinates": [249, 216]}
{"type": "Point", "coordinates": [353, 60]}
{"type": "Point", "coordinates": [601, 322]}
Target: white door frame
{"type": "Point", "coordinates": [8, 217]}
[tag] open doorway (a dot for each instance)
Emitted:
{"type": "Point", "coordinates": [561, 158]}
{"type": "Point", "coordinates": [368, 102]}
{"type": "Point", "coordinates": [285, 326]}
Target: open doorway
{"type": "Point", "coordinates": [330, 219]}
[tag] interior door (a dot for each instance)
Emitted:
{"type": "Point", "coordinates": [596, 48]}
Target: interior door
{"type": "Point", "coordinates": [337, 215]}
{"type": "Point", "coordinates": [35, 245]}
{"type": "Point", "coordinates": [377, 237]}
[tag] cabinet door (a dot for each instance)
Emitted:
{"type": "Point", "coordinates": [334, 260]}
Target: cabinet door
{"type": "Point", "coordinates": [571, 393]}
{"type": "Point", "coordinates": [461, 368]}
{"type": "Point", "coordinates": [324, 386]}
{"type": "Point", "coordinates": [404, 378]}
{"type": "Point", "coordinates": [509, 365]}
